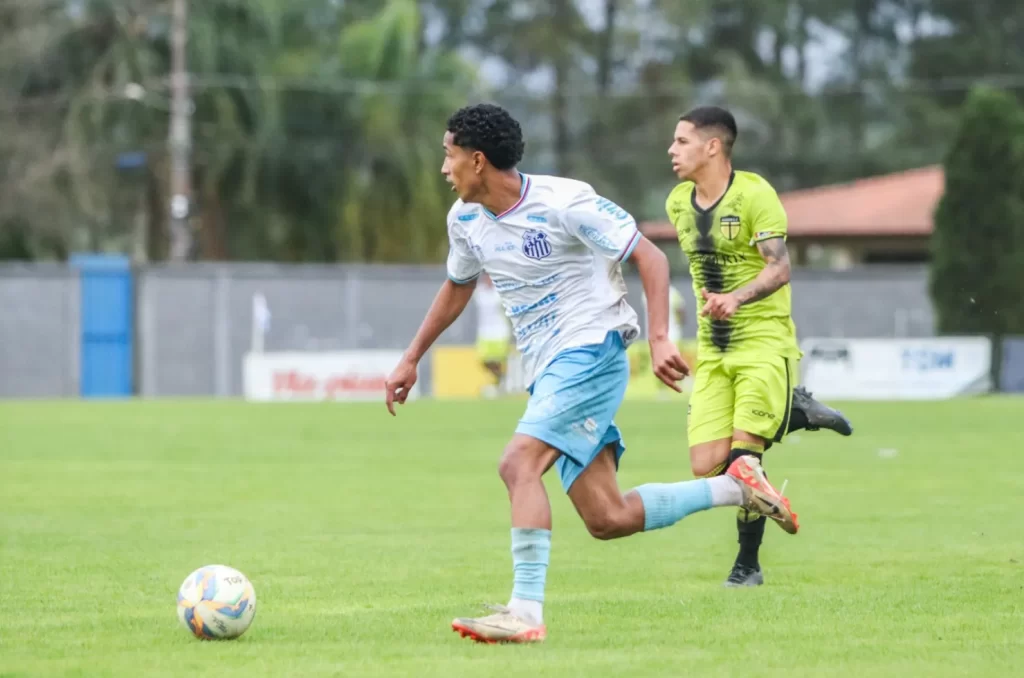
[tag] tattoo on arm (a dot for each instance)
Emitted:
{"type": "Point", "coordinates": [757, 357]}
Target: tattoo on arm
{"type": "Point", "coordinates": [774, 251]}
{"type": "Point", "coordinates": [774, 276]}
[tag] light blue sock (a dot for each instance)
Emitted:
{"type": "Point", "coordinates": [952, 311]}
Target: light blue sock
{"type": "Point", "coordinates": [531, 549]}
{"type": "Point", "coordinates": [667, 503]}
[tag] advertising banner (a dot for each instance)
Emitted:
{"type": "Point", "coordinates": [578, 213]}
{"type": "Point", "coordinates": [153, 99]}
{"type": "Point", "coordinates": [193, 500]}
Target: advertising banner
{"type": "Point", "coordinates": [1011, 378]}
{"type": "Point", "coordinates": [896, 369]}
{"type": "Point", "coordinates": [458, 372]}
{"type": "Point", "coordinates": [299, 376]}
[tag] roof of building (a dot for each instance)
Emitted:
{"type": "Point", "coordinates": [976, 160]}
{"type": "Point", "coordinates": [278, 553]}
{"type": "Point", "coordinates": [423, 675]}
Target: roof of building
{"type": "Point", "coordinates": [900, 204]}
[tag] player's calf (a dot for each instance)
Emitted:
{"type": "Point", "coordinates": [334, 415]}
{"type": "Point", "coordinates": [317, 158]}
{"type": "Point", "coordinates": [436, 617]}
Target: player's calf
{"type": "Point", "coordinates": [605, 511]}
{"type": "Point", "coordinates": [609, 514]}
{"type": "Point", "coordinates": [743, 485]}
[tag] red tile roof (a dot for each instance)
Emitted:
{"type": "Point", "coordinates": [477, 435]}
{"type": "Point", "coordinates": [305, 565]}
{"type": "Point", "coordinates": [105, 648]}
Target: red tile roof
{"type": "Point", "coordinates": [899, 204]}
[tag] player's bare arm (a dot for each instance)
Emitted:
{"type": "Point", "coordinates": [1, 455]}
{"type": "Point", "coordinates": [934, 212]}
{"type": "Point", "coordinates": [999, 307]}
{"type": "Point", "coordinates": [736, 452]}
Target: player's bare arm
{"type": "Point", "coordinates": [774, 276]}
{"type": "Point", "coordinates": [652, 264]}
{"type": "Point", "coordinates": [448, 305]}
{"type": "Point", "coordinates": [771, 279]}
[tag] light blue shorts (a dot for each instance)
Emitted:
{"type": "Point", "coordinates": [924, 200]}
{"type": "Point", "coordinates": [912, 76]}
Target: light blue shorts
{"type": "Point", "coordinates": [573, 401]}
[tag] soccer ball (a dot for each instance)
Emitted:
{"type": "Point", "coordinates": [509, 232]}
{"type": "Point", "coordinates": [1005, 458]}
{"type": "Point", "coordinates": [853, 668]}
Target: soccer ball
{"type": "Point", "coordinates": [216, 602]}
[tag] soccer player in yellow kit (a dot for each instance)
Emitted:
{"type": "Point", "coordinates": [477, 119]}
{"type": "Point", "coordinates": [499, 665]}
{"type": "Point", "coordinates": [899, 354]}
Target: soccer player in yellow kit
{"type": "Point", "coordinates": [732, 228]}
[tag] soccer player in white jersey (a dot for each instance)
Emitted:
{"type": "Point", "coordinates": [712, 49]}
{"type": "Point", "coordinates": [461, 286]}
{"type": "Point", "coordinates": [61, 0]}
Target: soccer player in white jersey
{"type": "Point", "coordinates": [493, 333]}
{"type": "Point", "coordinates": [553, 248]}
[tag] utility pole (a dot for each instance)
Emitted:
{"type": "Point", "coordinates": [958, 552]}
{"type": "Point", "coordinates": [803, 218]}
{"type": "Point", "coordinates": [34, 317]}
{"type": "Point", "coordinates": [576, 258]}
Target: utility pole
{"type": "Point", "coordinates": [180, 136]}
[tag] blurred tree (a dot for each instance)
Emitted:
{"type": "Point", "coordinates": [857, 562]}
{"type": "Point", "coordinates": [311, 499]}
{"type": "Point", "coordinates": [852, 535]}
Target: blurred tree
{"type": "Point", "coordinates": [540, 44]}
{"type": "Point", "coordinates": [948, 46]}
{"type": "Point", "coordinates": [396, 199]}
{"type": "Point", "coordinates": [978, 244]}
{"type": "Point", "coordinates": [328, 147]}
{"type": "Point", "coordinates": [316, 121]}
{"type": "Point", "coordinates": [596, 85]}
{"type": "Point", "coordinates": [316, 127]}
{"type": "Point", "coordinates": [957, 42]}
{"type": "Point", "coordinates": [44, 56]}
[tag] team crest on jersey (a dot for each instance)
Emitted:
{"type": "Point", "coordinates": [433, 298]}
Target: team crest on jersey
{"type": "Point", "coordinates": [536, 245]}
{"type": "Point", "coordinates": [730, 226]}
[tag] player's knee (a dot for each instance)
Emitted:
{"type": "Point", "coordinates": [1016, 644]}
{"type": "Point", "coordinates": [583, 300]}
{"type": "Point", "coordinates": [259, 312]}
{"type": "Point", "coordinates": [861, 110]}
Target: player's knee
{"type": "Point", "coordinates": [707, 468]}
{"type": "Point", "coordinates": [606, 524]}
{"type": "Point", "coordinates": [508, 469]}
{"type": "Point", "coordinates": [708, 460]}
{"type": "Point", "coordinates": [519, 463]}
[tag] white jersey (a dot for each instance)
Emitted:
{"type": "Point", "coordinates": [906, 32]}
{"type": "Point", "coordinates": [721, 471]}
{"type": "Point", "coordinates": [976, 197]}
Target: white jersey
{"type": "Point", "coordinates": [554, 258]}
{"type": "Point", "coordinates": [491, 323]}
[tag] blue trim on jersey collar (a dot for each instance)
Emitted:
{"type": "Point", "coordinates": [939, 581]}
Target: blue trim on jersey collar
{"type": "Point", "coordinates": [523, 190]}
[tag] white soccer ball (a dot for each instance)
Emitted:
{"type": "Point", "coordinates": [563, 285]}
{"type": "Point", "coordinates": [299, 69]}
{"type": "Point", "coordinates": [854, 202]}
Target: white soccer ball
{"type": "Point", "coordinates": [216, 602]}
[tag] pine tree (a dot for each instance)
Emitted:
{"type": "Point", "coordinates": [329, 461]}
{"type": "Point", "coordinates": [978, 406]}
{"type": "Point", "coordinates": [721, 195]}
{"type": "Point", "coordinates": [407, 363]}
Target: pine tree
{"type": "Point", "coordinates": [977, 274]}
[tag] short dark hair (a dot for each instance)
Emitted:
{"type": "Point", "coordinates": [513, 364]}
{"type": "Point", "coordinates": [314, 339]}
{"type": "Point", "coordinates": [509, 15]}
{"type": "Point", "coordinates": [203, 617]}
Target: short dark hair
{"type": "Point", "coordinates": [714, 117]}
{"type": "Point", "coordinates": [491, 130]}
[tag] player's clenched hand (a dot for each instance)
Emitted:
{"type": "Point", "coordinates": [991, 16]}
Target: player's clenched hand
{"type": "Point", "coordinates": [667, 364]}
{"type": "Point", "coordinates": [400, 383]}
{"type": "Point", "coordinates": [719, 306]}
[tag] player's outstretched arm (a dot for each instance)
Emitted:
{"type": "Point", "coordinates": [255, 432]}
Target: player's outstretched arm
{"type": "Point", "coordinates": [450, 302]}
{"type": "Point", "coordinates": [774, 276]}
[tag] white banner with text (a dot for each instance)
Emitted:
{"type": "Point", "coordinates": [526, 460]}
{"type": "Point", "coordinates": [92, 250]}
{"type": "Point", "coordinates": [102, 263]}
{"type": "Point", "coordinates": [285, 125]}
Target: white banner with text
{"type": "Point", "coordinates": [338, 375]}
{"type": "Point", "coordinates": [896, 369]}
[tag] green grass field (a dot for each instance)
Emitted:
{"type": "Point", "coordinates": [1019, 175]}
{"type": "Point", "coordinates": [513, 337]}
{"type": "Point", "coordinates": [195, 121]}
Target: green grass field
{"type": "Point", "coordinates": [364, 535]}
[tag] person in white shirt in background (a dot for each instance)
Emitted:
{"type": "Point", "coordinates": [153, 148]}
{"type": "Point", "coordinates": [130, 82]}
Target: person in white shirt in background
{"type": "Point", "coordinates": [493, 334]}
{"type": "Point", "coordinates": [676, 322]}
{"type": "Point", "coordinates": [676, 316]}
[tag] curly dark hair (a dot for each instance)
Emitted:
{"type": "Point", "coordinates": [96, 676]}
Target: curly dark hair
{"type": "Point", "coordinates": [492, 131]}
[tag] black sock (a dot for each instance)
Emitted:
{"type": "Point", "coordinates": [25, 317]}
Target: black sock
{"type": "Point", "coordinates": [750, 529]}
{"type": "Point", "coordinates": [797, 420]}
{"type": "Point", "coordinates": [750, 536]}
